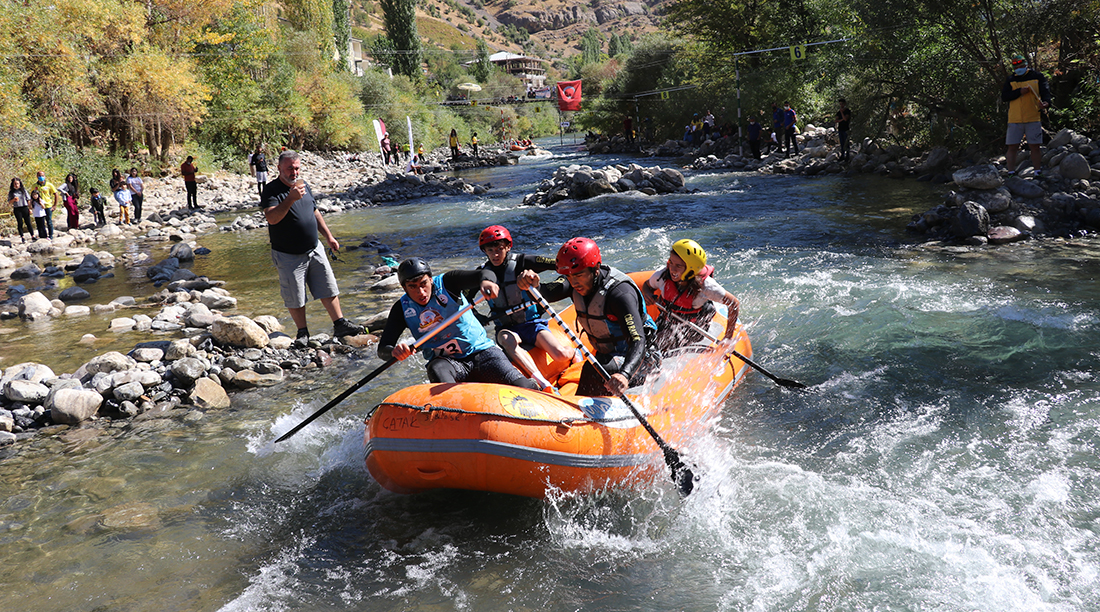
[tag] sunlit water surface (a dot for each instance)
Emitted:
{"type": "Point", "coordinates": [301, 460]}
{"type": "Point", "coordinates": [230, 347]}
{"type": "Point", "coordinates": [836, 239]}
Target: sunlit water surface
{"type": "Point", "coordinates": [944, 458]}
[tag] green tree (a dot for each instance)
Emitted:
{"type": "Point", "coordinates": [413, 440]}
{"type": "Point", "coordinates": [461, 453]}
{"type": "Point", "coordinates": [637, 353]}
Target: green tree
{"type": "Point", "coordinates": [613, 46]}
{"type": "Point", "coordinates": [481, 67]}
{"type": "Point", "coordinates": [399, 17]}
{"type": "Point", "coordinates": [591, 46]}
{"type": "Point", "coordinates": [314, 16]}
{"type": "Point", "coordinates": [341, 29]}
{"type": "Point", "coordinates": [246, 106]}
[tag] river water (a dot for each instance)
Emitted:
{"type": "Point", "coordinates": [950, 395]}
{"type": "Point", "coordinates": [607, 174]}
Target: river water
{"type": "Point", "coordinates": [944, 457]}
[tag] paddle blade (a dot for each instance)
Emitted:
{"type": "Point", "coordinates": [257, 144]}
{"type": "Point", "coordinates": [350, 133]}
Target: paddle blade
{"type": "Point", "coordinates": [791, 384]}
{"type": "Point", "coordinates": [681, 474]}
{"type": "Point", "coordinates": [685, 482]}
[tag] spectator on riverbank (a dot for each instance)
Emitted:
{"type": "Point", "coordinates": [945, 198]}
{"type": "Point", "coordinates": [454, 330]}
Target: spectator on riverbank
{"type": "Point", "coordinates": [754, 130]}
{"type": "Point", "coordinates": [387, 149]}
{"type": "Point", "coordinates": [1028, 95]}
{"type": "Point", "coordinates": [38, 210]}
{"type": "Point", "coordinates": [299, 257]}
{"type": "Point", "coordinates": [47, 192]}
{"type": "Point", "coordinates": [137, 192]}
{"type": "Point", "coordinates": [790, 118]}
{"type": "Point", "coordinates": [96, 202]}
{"type": "Point", "coordinates": [188, 170]}
{"type": "Point", "coordinates": [777, 126]}
{"type": "Point", "coordinates": [70, 193]}
{"type": "Point", "coordinates": [843, 122]}
{"type": "Point", "coordinates": [121, 191]}
{"type": "Point", "coordinates": [258, 162]}
{"type": "Point", "coordinates": [473, 144]}
{"type": "Point", "coordinates": [454, 145]}
{"type": "Point", "coordinates": [20, 202]}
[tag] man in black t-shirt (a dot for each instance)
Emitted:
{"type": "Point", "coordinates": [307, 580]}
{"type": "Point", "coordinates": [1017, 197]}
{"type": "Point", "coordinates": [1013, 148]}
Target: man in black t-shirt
{"type": "Point", "coordinates": [293, 222]}
{"type": "Point", "coordinates": [259, 165]}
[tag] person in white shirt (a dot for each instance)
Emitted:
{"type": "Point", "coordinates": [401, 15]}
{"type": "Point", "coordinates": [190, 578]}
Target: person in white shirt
{"type": "Point", "coordinates": [137, 192]}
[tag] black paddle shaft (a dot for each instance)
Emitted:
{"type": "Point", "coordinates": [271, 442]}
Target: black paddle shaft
{"type": "Point", "coordinates": [681, 474]}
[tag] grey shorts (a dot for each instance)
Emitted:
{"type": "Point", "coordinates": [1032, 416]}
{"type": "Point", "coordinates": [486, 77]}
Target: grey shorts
{"type": "Point", "coordinates": [296, 272]}
{"type": "Point", "coordinates": [1016, 132]}
{"type": "Point", "coordinates": [261, 178]}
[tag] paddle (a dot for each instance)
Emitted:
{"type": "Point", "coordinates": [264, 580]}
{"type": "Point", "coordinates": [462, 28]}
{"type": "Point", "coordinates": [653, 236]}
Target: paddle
{"type": "Point", "coordinates": [382, 368]}
{"type": "Point", "coordinates": [783, 382]}
{"type": "Point", "coordinates": [681, 474]}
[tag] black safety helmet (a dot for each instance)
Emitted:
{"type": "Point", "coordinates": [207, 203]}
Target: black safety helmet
{"type": "Point", "coordinates": [411, 268]}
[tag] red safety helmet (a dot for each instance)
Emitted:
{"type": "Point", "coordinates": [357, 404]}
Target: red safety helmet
{"type": "Point", "coordinates": [492, 234]}
{"type": "Point", "coordinates": [578, 254]}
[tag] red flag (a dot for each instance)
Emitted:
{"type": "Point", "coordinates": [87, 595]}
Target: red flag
{"type": "Point", "coordinates": [569, 95]}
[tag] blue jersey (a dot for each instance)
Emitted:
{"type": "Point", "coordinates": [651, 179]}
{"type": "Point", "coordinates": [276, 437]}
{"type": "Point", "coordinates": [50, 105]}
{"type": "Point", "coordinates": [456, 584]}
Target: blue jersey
{"type": "Point", "coordinates": [460, 339]}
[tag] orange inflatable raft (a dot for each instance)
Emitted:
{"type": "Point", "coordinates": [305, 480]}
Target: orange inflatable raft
{"type": "Point", "coordinates": [489, 437]}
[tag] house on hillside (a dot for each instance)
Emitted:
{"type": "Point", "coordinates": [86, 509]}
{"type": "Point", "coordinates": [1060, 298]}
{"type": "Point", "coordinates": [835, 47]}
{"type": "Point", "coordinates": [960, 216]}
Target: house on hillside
{"type": "Point", "coordinates": [529, 69]}
{"type": "Point", "coordinates": [354, 56]}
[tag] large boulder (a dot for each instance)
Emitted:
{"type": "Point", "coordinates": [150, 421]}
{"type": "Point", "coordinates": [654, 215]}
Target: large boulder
{"type": "Point", "coordinates": [199, 315]}
{"type": "Point", "coordinates": [109, 362]}
{"type": "Point", "coordinates": [598, 186]}
{"type": "Point", "coordinates": [972, 219]}
{"type": "Point", "coordinates": [28, 370]}
{"type": "Point", "coordinates": [28, 271]}
{"type": "Point", "coordinates": [188, 369]}
{"type": "Point", "coordinates": [89, 269]}
{"type": "Point", "coordinates": [209, 395]}
{"type": "Point", "coordinates": [72, 406]}
{"type": "Point", "coordinates": [249, 379]}
{"type": "Point", "coordinates": [162, 272]}
{"type": "Point", "coordinates": [26, 391]}
{"type": "Point", "coordinates": [937, 159]}
{"type": "Point", "coordinates": [269, 323]}
{"type": "Point", "coordinates": [182, 252]}
{"type": "Point", "coordinates": [1062, 138]}
{"type": "Point", "coordinates": [673, 176]}
{"type": "Point", "coordinates": [993, 200]}
{"type": "Point", "coordinates": [1075, 166]}
{"type": "Point", "coordinates": [1003, 234]}
{"type": "Point", "coordinates": [77, 311]}
{"type": "Point", "coordinates": [1024, 189]}
{"type": "Point", "coordinates": [217, 300]}
{"type": "Point", "coordinates": [129, 392]}
{"type": "Point", "coordinates": [239, 331]}
{"type": "Point", "coordinates": [34, 305]}
{"type": "Point", "coordinates": [73, 294]}
{"type": "Point", "coordinates": [178, 349]}
{"type": "Point", "coordinates": [978, 177]}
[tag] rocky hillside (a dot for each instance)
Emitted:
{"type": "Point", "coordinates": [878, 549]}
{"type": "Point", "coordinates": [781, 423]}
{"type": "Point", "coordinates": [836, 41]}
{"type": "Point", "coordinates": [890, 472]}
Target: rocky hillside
{"type": "Point", "coordinates": [548, 28]}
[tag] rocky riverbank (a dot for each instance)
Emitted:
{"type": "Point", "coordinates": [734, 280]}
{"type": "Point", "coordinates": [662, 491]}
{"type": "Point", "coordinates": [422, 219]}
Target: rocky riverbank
{"type": "Point", "coordinates": [198, 352]}
{"type": "Point", "coordinates": [984, 203]}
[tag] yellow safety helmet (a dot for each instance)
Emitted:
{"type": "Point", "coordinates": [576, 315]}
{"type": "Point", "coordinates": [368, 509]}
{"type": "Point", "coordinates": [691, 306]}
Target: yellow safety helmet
{"type": "Point", "coordinates": [695, 258]}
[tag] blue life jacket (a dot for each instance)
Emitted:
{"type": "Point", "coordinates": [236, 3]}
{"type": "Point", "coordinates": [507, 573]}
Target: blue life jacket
{"type": "Point", "coordinates": [460, 339]}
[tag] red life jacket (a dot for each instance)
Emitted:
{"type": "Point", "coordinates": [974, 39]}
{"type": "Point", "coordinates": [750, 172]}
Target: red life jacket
{"type": "Point", "coordinates": [682, 305]}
